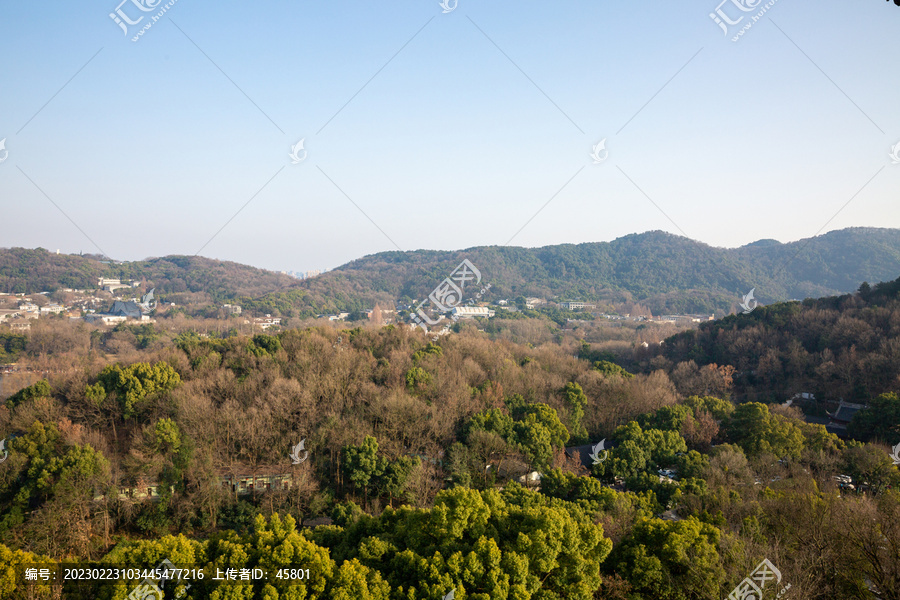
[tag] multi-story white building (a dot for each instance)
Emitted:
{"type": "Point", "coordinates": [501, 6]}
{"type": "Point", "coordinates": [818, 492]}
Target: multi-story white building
{"type": "Point", "coordinates": [576, 305]}
{"type": "Point", "coordinates": [470, 312]}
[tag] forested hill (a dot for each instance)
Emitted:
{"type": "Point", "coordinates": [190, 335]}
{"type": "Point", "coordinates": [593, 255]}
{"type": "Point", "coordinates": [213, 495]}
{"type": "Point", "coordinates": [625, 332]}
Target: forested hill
{"type": "Point", "coordinates": [665, 272]}
{"type": "Point", "coordinates": [841, 347]}
{"type": "Point", "coordinates": [27, 271]}
{"type": "Point", "coordinates": [668, 273]}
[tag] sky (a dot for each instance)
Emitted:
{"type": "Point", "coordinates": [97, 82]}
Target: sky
{"type": "Point", "coordinates": [426, 129]}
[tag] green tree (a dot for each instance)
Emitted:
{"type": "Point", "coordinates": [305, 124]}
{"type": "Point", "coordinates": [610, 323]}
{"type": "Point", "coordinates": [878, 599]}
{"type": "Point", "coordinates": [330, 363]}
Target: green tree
{"type": "Point", "coordinates": [670, 418]}
{"type": "Point", "coordinates": [418, 379]}
{"type": "Point", "coordinates": [611, 369]}
{"type": "Point", "coordinates": [546, 415]}
{"type": "Point", "coordinates": [41, 389]}
{"type": "Point", "coordinates": [718, 408]}
{"type": "Point", "coordinates": [392, 480]}
{"type": "Point", "coordinates": [639, 451]}
{"type": "Point", "coordinates": [265, 345]}
{"type": "Point", "coordinates": [675, 560]}
{"type": "Point", "coordinates": [757, 431]}
{"type": "Point", "coordinates": [52, 471]}
{"type": "Point", "coordinates": [576, 400]}
{"type": "Point", "coordinates": [431, 349]}
{"type": "Point", "coordinates": [362, 463]}
{"type": "Point", "coordinates": [538, 433]}
{"type": "Point", "coordinates": [137, 382]}
{"type": "Point", "coordinates": [167, 436]}
{"type": "Point", "coordinates": [355, 581]}
{"type": "Point", "coordinates": [493, 420]}
{"type": "Point", "coordinates": [466, 542]}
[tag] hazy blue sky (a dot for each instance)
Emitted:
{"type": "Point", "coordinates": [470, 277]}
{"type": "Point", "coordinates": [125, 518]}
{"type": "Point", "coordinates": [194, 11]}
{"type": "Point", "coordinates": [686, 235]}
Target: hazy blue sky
{"type": "Point", "coordinates": [485, 114]}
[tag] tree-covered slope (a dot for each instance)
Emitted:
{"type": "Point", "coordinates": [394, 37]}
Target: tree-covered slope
{"type": "Point", "coordinates": [666, 272]}
{"type": "Point", "coordinates": [25, 270]}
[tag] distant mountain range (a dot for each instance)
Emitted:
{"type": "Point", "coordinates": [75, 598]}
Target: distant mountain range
{"type": "Point", "coordinates": [664, 272]}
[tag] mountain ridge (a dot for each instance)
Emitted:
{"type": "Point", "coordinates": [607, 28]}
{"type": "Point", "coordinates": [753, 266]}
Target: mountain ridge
{"type": "Point", "coordinates": [666, 272]}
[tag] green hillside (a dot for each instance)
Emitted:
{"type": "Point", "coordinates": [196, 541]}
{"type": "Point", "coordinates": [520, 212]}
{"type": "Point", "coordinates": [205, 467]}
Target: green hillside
{"type": "Point", "coordinates": [668, 273]}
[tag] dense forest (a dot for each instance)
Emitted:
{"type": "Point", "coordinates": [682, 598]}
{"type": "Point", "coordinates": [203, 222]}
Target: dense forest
{"type": "Point", "coordinates": [845, 347]}
{"type": "Point", "coordinates": [416, 479]}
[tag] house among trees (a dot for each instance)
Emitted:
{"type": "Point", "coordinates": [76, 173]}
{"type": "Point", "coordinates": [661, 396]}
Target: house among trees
{"type": "Point", "coordinates": [511, 467]}
{"type": "Point", "coordinates": [141, 491]}
{"type": "Point", "coordinates": [841, 417]}
{"type": "Point", "coordinates": [583, 454]}
{"type": "Point", "coordinates": [120, 311]}
{"type": "Point", "coordinates": [267, 322]}
{"type": "Point", "coordinates": [232, 309]}
{"type": "Point", "coordinates": [247, 483]}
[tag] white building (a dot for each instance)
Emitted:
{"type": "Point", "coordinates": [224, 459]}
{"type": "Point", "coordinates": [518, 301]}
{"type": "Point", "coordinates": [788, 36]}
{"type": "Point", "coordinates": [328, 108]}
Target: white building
{"type": "Point", "coordinates": [470, 312]}
{"type": "Point", "coordinates": [267, 322]}
{"type": "Point", "coordinates": [111, 285]}
{"type": "Point", "coordinates": [232, 309]}
{"type": "Point", "coordinates": [576, 305]}
{"type": "Point", "coordinates": [106, 319]}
